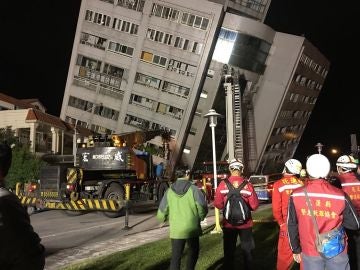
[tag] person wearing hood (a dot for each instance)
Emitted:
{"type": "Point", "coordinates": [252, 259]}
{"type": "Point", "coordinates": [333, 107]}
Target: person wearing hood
{"type": "Point", "coordinates": [184, 206]}
{"type": "Point", "coordinates": [20, 246]}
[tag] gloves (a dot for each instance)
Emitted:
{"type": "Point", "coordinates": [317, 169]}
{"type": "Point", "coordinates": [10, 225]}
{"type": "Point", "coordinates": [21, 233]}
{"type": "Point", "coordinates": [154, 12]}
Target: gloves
{"type": "Point", "coordinates": [297, 257]}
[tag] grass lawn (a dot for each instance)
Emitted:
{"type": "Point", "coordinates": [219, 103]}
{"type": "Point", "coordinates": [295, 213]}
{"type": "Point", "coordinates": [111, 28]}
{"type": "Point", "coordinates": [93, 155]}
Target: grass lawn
{"type": "Point", "coordinates": [156, 255]}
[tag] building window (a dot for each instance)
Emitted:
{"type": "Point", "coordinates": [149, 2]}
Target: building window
{"type": "Point", "coordinates": [175, 89]}
{"type": "Point", "coordinates": [93, 41]}
{"type": "Point", "coordinates": [97, 18]}
{"type": "Point", "coordinates": [153, 58]}
{"type": "Point", "coordinates": [137, 5]}
{"type": "Point", "coordinates": [147, 80]}
{"type": "Point", "coordinates": [88, 62]}
{"type": "Point", "coordinates": [187, 150]}
{"type": "Point", "coordinates": [194, 21]}
{"type": "Point", "coordinates": [125, 26]}
{"type": "Point", "coordinates": [164, 12]}
{"type": "Point", "coordinates": [120, 48]}
{"type": "Point", "coordinates": [80, 103]}
{"type": "Point", "coordinates": [193, 131]}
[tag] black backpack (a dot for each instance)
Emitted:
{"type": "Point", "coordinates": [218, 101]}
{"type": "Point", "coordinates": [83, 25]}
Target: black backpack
{"type": "Point", "coordinates": [236, 210]}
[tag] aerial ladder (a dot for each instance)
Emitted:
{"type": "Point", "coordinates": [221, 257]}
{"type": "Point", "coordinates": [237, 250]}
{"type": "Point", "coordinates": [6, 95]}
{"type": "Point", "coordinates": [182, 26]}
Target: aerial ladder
{"type": "Point", "coordinates": [240, 126]}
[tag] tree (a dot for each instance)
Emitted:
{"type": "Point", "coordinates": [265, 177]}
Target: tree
{"type": "Point", "coordinates": [25, 166]}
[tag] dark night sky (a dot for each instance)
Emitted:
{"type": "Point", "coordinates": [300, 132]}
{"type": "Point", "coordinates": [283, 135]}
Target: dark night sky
{"type": "Point", "coordinates": [37, 38]}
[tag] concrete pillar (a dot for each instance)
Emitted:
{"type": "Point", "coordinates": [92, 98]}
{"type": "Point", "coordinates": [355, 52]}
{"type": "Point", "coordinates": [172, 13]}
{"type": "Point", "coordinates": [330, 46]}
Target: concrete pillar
{"type": "Point", "coordinates": [33, 127]}
{"type": "Point", "coordinates": [54, 140]}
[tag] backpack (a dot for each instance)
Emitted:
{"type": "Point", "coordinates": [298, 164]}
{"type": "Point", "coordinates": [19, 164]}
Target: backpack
{"type": "Point", "coordinates": [236, 210]}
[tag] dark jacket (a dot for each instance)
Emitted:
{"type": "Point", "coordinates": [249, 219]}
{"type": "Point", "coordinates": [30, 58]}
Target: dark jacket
{"type": "Point", "coordinates": [248, 193]}
{"type": "Point", "coordinates": [184, 206]}
{"type": "Point", "coordinates": [19, 245]}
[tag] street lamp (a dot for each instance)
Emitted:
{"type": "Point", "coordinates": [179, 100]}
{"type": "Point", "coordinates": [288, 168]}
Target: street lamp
{"type": "Point", "coordinates": [212, 116]}
{"type": "Point", "coordinates": [319, 147]}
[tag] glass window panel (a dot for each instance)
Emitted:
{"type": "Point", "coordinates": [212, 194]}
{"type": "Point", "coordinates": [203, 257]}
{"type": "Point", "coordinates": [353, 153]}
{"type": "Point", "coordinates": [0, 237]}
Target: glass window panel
{"type": "Point", "coordinates": [147, 56]}
{"type": "Point", "coordinates": [204, 24]}
{"type": "Point", "coordinates": [197, 22]}
{"type": "Point", "coordinates": [163, 61]}
{"type": "Point", "coordinates": [191, 20]}
{"type": "Point", "coordinates": [156, 59]}
{"type": "Point", "coordinates": [184, 18]}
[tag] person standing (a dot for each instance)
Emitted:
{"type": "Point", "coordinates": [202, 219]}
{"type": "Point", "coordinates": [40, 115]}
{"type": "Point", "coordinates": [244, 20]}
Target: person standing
{"type": "Point", "coordinates": [184, 206]}
{"type": "Point", "coordinates": [159, 170]}
{"type": "Point", "coordinates": [20, 246]}
{"type": "Point", "coordinates": [280, 199]}
{"type": "Point", "coordinates": [231, 232]}
{"type": "Point", "coordinates": [346, 167]}
{"type": "Point", "coordinates": [332, 209]}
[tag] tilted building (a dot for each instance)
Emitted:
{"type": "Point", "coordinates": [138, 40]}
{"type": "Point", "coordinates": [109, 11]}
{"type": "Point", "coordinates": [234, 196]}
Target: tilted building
{"type": "Point", "coordinates": [151, 65]}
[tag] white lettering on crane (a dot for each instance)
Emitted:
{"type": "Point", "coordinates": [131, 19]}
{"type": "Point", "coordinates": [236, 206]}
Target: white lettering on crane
{"type": "Point", "coordinates": [106, 157]}
{"type": "Point", "coordinates": [85, 156]}
{"type": "Point", "coordinates": [118, 156]}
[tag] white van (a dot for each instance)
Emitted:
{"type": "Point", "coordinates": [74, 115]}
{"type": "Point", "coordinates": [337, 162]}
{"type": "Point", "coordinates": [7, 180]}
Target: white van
{"type": "Point", "coordinates": [264, 185]}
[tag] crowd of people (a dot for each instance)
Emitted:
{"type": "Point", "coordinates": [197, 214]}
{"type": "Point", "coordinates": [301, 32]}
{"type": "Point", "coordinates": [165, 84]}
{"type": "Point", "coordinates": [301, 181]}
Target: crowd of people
{"type": "Point", "coordinates": [317, 212]}
{"type": "Point", "coordinates": [318, 215]}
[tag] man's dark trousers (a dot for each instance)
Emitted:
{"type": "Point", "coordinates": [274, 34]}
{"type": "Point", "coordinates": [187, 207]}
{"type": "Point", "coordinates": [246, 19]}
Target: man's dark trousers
{"type": "Point", "coordinates": [247, 244]}
{"type": "Point", "coordinates": [178, 246]}
{"type": "Point", "coordinates": [354, 249]}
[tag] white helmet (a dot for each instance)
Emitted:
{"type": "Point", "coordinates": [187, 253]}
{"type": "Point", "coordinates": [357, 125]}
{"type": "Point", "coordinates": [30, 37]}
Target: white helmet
{"type": "Point", "coordinates": [236, 164]}
{"type": "Point", "coordinates": [318, 166]}
{"type": "Point", "coordinates": [346, 163]}
{"type": "Point", "coordinates": [293, 166]}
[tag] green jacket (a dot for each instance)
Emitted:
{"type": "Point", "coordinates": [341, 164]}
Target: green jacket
{"type": "Point", "coordinates": [184, 206]}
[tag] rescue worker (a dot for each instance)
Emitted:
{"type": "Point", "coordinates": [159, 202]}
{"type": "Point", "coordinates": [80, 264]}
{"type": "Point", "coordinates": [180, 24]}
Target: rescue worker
{"type": "Point", "coordinates": [230, 232]}
{"type": "Point", "coordinates": [346, 167]}
{"type": "Point", "coordinates": [331, 207]}
{"type": "Point", "coordinates": [20, 245]}
{"type": "Point", "coordinates": [184, 206]}
{"type": "Point", "coordinates": [280, 199]}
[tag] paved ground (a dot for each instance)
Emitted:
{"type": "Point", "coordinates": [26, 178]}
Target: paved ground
{"type": "Point", "coordinates": [130, 240]}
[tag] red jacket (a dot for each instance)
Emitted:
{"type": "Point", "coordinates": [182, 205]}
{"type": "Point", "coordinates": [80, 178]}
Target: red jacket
{"type": "Point", "coordinates": [247, 192]}
{"type": "Point", "coordinates": [281, 194]}
{"type": "Point", "coordinates": [331, 207]}
{"type": "Point", "coordinates": [351, 185]}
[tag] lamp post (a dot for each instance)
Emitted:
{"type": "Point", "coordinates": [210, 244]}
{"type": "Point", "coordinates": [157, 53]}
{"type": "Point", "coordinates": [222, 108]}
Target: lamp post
{"type": "Point", "coordinates": [212, 116]}
{"type": "Point", "coordinates": [319, 147]}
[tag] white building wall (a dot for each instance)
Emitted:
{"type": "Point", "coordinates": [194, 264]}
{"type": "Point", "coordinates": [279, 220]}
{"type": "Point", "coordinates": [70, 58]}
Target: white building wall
{"type": "Point", "coordinates": [273, 87]}
{"type": "Point", "coordinates": [242, 25]}
{"type": "Point", "coordinates": [134, 64]}
{"type": "Point", "coordinates": [14, 119]}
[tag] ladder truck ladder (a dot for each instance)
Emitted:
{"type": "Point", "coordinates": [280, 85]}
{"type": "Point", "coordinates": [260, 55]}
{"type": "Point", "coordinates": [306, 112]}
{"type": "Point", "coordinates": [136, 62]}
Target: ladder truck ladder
{"type": "Point", "coordinates": [237, 117]}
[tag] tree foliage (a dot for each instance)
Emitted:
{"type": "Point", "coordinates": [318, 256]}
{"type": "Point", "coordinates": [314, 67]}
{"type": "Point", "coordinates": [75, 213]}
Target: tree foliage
{"type": "Point", "coordinates": [25, 166]}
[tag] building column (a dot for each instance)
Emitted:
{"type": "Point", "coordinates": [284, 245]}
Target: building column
{"type": "Point", "coordinates": [33, 127]}
{"type": "Point", "coordinates": [54, 140]}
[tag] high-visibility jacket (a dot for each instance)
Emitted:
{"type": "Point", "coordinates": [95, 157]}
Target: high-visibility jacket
{"type": "Point", "coordinates": [351, 185]}
{"type": "Point", "coordinates": [248, 193]}
{"type": "Point", "coordinates": [280, 196]}
{"type": "Point", "coordinates": [184, 206]}
{"type": "Point", "coordinates": [332, 208]}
